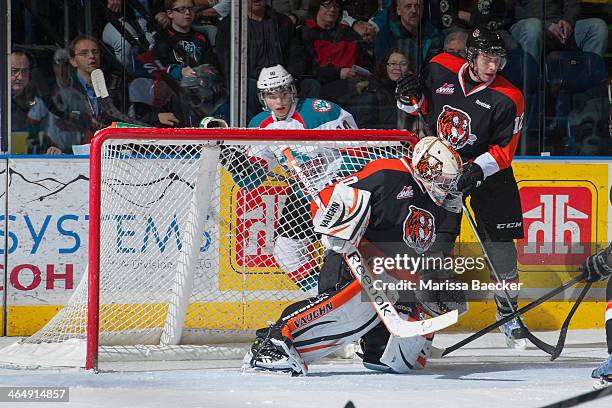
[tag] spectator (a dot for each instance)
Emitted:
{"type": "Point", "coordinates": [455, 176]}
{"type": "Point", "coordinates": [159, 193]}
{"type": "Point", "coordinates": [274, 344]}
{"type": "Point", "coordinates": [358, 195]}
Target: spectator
{"type": "Point", "coordinates": [496, 15]}
{"type": "Point", "coordinates": [359, 15]}
{"type": "Point", "coordinates": [63, 126]}
{"type": "Point", "coordinates": [27, 108]}
{"type": "Point", "coordinates": [404, 32]}
{"type": "Point", "coordinates": [135, 25]}
{"type": "Point", "coordinates": [213, 8]}
{"type": "Point", "coordinates": [85, 111]}
{"type": "Point", "coordinates": [455, 42]}
{"type": "Point", "coordinates": [153, 102]}
{"type": "Point", "coordinates": [208, 13]}
{"type": "Point", "coordinates": [376, 107]}
{"type": "Point", "coordinates": [179, 48]}
{"type": "Point", "coordinates": [333, 49]}
{"type": "Point", "coordinates": [563, 29]}
{"type": "Point", "coordinates": [273, 40]}
{"type": "Point", "coordinates": [296, 10]}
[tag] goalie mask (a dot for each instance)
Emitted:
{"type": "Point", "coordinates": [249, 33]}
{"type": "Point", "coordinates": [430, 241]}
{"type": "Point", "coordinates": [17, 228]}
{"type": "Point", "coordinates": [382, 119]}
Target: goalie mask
{"type": "Point", "coordinates": [275, 81]}
{"type": "Point", "coordinates": [438, 166]}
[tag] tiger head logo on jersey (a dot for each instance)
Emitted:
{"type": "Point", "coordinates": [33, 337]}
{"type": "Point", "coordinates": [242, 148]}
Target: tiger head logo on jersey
{"type": "Point", "coordinates": [419, 229]}
{"type": "Point", "coordinates": [454, 125]}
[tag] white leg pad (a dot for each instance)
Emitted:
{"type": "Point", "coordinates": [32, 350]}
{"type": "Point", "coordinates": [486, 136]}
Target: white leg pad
{"type": "Point", "coordinates": [330, 323]}
{"type": "Point", "coordinates": [403, 355]}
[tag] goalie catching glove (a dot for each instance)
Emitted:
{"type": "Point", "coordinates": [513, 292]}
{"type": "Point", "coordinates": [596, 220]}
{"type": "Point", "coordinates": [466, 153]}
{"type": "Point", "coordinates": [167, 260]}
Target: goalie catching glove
{"type": "Point", "coordinates": [598, 267]}
{"type": "Point", "coordinates": [344, 219]}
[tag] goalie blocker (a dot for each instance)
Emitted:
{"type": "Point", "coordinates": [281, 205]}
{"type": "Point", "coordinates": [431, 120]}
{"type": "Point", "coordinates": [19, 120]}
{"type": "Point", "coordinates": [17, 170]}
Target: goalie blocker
{"type": "Point", "coordinates": [405, 202]}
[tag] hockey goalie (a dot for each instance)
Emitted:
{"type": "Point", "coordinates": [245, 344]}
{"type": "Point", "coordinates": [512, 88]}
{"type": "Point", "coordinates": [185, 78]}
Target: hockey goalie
{"type": "Point", "coordinates": [399, 202]}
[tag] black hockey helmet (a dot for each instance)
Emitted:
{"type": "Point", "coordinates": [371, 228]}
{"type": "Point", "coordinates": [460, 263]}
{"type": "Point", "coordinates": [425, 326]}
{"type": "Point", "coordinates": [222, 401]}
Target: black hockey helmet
{"type": "Point", "coordinates": [486, 41]}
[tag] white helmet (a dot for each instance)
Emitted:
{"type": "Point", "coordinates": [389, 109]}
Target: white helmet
{"type": "Point", "coordinates": [275, 78]}
{"type": "Point", "coordinates": [438, 167]}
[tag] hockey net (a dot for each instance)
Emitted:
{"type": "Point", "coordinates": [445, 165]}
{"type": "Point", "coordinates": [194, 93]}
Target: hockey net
{"type": "Point", "coordinates": [185, 258]}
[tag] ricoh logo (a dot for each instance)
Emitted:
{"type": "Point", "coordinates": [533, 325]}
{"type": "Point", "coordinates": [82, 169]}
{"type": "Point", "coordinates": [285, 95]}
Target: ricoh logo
{"type": "Point", "coordinates": [557, 225]}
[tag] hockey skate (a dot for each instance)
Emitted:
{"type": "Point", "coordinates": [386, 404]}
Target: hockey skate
{"type": "Point", "coordinates": [515, 336]}
{"type": "Point", "coordinates": [273, 354]}
{"type": "Point", "coordinates": [603, 374]}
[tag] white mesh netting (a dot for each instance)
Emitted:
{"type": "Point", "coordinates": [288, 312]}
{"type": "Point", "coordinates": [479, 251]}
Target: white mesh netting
{"type": "Point", "coordinates": [251, 237]}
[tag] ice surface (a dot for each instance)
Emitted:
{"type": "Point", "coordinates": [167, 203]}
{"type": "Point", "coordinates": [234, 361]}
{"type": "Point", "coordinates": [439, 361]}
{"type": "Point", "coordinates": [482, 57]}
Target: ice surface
{"type": "Point", "coordinates": [484, 374]}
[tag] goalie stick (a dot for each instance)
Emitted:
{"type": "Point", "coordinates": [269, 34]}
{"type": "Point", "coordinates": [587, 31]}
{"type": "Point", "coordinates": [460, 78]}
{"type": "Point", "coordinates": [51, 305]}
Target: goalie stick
{"type": "Point", "coordinates": [379, 299]}
{"type": "Point", "coordinates": [106, 104]}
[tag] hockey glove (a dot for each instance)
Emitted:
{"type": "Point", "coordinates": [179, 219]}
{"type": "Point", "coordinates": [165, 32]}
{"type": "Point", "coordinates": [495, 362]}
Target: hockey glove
{"type": "Point", "coordinates": [598, 267]}
{"type": "Point", "coordinates": [246, 173]}
{"type": "Point", "coordinates": [471, 177]}
{"type": "Point", "coordinates": [408, 88]}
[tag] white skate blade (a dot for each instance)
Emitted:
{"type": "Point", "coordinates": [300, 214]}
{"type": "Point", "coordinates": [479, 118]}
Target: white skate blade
{"type": "Point", "coordinates": [601, 383]}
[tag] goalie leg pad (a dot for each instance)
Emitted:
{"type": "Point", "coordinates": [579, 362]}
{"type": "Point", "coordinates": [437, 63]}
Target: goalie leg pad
{"type": "Point", "coordinates": [387, 353]}
{"type": "Point", "coordinates": [405, 354]}
{"type": "Point", "coordinates": [328, 322]}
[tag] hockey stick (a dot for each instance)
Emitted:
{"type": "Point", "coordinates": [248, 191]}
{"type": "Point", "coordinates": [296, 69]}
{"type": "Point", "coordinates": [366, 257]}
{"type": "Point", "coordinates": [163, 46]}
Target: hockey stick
{"type": "Point", "coordinates": [565, 325]}
{"type": "Point", "coordinates": [106, 104]}
{"type": "Point", "coordinates": [545, 347]}
{"type": "Point", "coordinates": [581, 398]}
{"type": "Point", "coordinates": [437, 352]}
{"type": "Point", "coordinates": [379, 299]}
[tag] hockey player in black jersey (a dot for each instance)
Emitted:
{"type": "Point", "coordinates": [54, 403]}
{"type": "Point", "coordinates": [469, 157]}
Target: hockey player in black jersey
{"type": "Point", "coordinates": [598, 267]}
{"type": "Point", "coordinates": [403, 207]}
{"type": "Point", "coordinates": [481, 114]}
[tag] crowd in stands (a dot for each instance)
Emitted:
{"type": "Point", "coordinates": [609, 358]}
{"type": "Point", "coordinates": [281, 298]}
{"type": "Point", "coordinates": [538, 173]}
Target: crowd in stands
{"type": "Point", "coordinates": [167, 63]}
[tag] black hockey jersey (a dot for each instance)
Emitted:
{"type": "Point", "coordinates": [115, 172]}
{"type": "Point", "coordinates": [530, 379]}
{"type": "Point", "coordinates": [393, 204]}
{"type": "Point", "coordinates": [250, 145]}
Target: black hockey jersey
{"type": "Point", "coordinates": [483, 123]}
{"type": "Point", "coordinates": [403, 218]}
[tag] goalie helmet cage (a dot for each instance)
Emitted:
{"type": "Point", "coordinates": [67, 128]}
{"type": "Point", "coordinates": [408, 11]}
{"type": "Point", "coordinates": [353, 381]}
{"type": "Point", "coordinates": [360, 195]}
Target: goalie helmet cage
{"type": "Point", "coordinates": [184, 261]}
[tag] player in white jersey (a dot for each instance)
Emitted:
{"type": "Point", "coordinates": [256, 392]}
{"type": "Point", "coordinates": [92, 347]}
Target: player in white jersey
{"type": "Point", "coordinates": [293, 246]}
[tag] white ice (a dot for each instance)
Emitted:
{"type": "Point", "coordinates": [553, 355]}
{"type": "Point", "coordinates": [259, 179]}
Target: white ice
{"type": "Point", "coordinates": [483, 374]}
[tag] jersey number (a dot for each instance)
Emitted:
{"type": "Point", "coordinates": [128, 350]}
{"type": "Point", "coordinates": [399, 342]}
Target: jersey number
{"type": "Point", "coordinates": [518, 123]}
